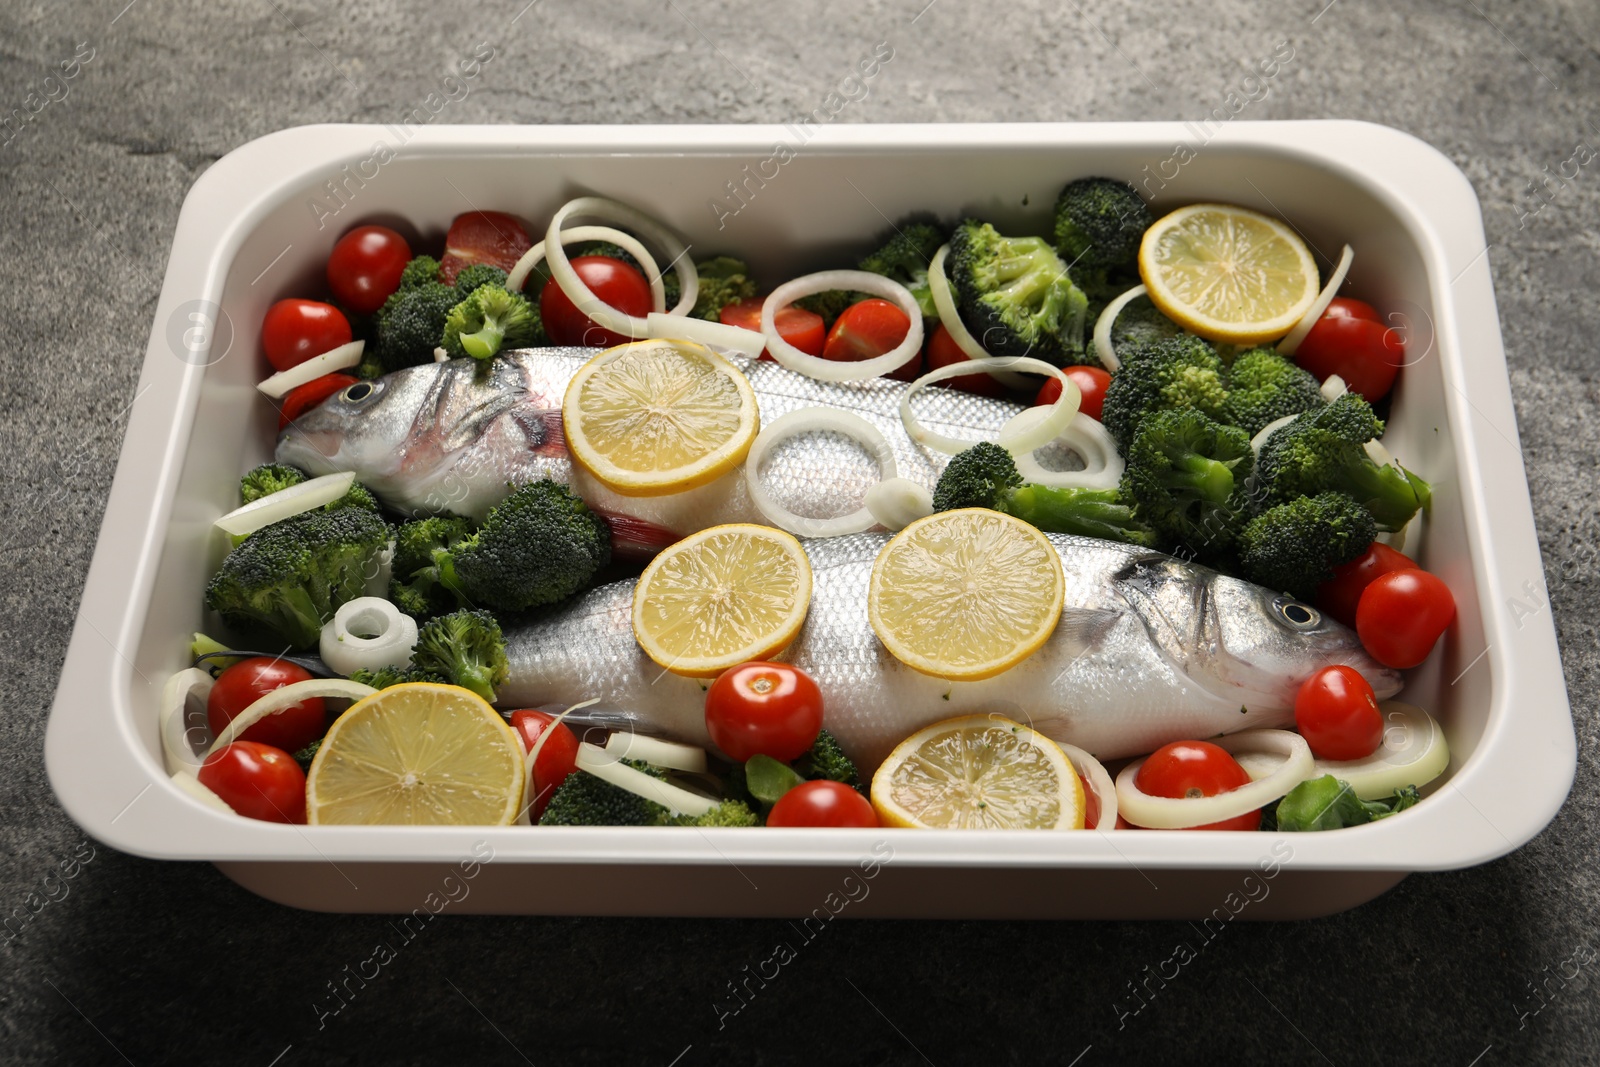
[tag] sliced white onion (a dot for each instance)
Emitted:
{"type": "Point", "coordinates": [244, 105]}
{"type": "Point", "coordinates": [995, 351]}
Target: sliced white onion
{"type": "Point", "coordinates": [828, 370]}
{"type": "Point", "coordinates": [1108, 319]}
{"type": "Point", "coordinates": [944, 302]}
{"type": "Point", "coordinates": [1396, 539]}
{"type": "Point", "coordinates": [346, 650]}
{"type": "Point", "coordinates": [607, 767]}
{"type": "Point", "coordinates": [1259, 441]}
{"type": "Point", "coordinates": [193, 786]}
{"type": "Point", "coordinates": [1167, 813]}
{"type": "Point", "coordinates": [1377, 453]}
{"type": "Point", "coordinates": [1032, 436]}
{"type": "Point", "coordinates": [898, 502]}
{"type": "Point", "coordinates": [1292, 339]}
{"type": "Point", "coordinates": [1413, 752]}
{"type": "Point", "coordinates": [1099, 781]}
{"type": "Point", "coordinates": [815, 420]}
{"type": "Point", "coordinates": [582, 297]}
{"type": "Point", "coordinates": [1333, 388]}
{"type": "Point", "coordinates": [625, 241]}
{"type": "Point", "coordinates": [378, 580]}
{"type": "Point", "coordinates": [286, 697]}
{"type": "Point", "coordinates": [441, 356]}
{"type": "Point", "coordinates": [1102, 463]}
{"type": "Point", "coordinates": [335, 359]}
{"type": "Point", "coordinates": [286, 503]}
{"type": "Point", "coordinates": [192, 683]}
{"type": "Point", "coordinates": [715, 335]}
{"type": "Point", "coordinates": [656, 752]}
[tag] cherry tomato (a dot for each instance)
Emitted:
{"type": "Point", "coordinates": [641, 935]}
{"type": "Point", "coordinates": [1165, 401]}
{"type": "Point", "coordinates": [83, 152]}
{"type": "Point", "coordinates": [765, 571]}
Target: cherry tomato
{"type": "Point", "coordinates": [1402, 614]}
{"type": "Point", "coordinates": [1339, 595]}
{"type": "Point", "coordinates": [557, 759]}
{"type": "Point", "coordinates": [801, 328]}
{"type": "Point", "coordinates": [1196, 769]}
{"type": "Point", "coordinates": [1092, 382]}
{"type": "Point", "coordinates": [302, 398]}
{"type": "Point", "coordinates": [296, 330]}
{"type": "Point", "coordinates": [942, 350]}
{"type": "Point", "coordinates": [761, 708]}
{"type": "Point", "coordinates": [257, 781]}
{"type": "Point", "coordinates": [1365, 353]}
{"type": "Point", "coordinates": [1344, 307]}
{"type": "Point", "coordinates": [1091, 804]}
{"type": "Point", "coordinates": [491, 237]}
{"type": "Point", "coordinates": [247, 681]}
{"type": "Point", "coordinates": [614, 282]}
{"type": "Point", "coordinates": [1337, 713]}
{"type": "Point", "coordinates": [364, 267]}
{"type": "Point", "coordinates": [867, 329]}
{"type": "Point", "coordinates": [822, 804]}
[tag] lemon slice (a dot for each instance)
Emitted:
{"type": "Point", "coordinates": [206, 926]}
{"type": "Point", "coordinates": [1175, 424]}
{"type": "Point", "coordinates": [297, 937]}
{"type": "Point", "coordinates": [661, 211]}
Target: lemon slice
{"type": "Point", "coordinates": [655, 417]}
{"type": "Point", "coordinates": [1227, 273]}
{"type": "Point", "coordinates": [965, 594]}
{"type": "Point", "coordinates": [978, 772]}
{"type": "Point", "coordinates": [721, 597]}
{"type": "Point", "coordinates": [418, 754]}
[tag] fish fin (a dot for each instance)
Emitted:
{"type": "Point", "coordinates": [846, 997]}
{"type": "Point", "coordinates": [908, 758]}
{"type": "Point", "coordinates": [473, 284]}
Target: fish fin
{"type": "Point", "coordinates": [636, 539]}
{"type": "Point", "coordinates": [1085, 628]}
{"type": "Point", "coordinates": [543, 428]}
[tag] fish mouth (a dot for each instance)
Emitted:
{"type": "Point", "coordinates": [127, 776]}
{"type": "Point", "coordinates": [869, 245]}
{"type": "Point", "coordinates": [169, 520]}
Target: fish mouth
{"type": "Point", "coordinates": [314, 451]}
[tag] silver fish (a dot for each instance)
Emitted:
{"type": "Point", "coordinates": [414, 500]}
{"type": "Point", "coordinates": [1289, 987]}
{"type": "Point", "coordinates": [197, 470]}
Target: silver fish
{"type": "Point", "coordinates": [1149, 649]}
{"type": "Point", "coordinates": [447, 437]}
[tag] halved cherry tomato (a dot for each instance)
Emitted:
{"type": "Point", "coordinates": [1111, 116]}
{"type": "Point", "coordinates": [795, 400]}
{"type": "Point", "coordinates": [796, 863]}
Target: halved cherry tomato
{"type": "Point", "coordinates": [1339, 595]}
{"type": "Point", "coordinates": [491, 237]}
{"type": "Point", "coordinates": [822, 804]}
{"type": "Point", "coordinates": [1352, 342]}
{"type": "Point", "coordinates": [557, 759]}
{"type": "Point", "coordinates": [616, 283]}
{"type": "Point", "coordinates": [295, 330]}
{"type": "Point", "coordinates": [248, 681]}
{"type": "Point", "coordinates": [257, 781]}
{"type": "Point", "coordinates": [1092, 383]}
{"type": "Point", "coordinates": [365, 265]}
{"type": "Point", "coordinates": [1402, 614]}
{"type": "Point", "coordinates": [1337, 713]}
{"type": "Point", "coordinates": [801, 328]}
{"type": "Point", "coordinates": [302, 398]}
{"type": "Point", "coordinates": [867, 329]}
{"type": "Point", "coordinates": [942, 350]}
{"type": "Point", "coordinates": [1196, 769]}
{"type": "Point", "coordinates": [760, 708]}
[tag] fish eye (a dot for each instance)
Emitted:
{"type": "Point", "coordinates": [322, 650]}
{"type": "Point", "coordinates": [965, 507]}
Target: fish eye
{"type": "Point", "coordinates": [358, 392]}
{"type": "Point", "coordinates": [1297, 615]}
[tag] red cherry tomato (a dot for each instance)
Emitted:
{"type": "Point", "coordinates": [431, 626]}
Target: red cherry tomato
{"type": "Point", "coordinates": [247, 681]}
{"type": "Point", "coordinates": [364, 267]}
{"type": "Point", "coordinates": [1339, 595]}
{"type": "Point", "coordinates": [761, 708]}
{"type": "Point", "coordinates": [822, 804]}
{"type": "Point", "coordinates": [302, 398]}
{"type": "Point", "coordinates": [942, 350]}
{"type": "Point", "coordinates": [867, 329]}
{"type": "Point", "coordinates": [557, 759]}
{"type": "Point", "coordinates": [614, 282]}
{"type": "Point", "coordinates": [1337, 713]}
{"type": "Point", "coordinates": [257, 781]}
{"type": "Point", "coordinates": [491, 237]}
{"type": "Point", "coordinates": [1402, 614]}
{"type": "Point", "coordinates": [1091, 805]}
{"type": "Point", "coordinates": [1344, 307]}
{"type": "Point", "coordinates": [1196, 769]}
{"type": "Point", "coordinates": [1365, 353]}
{"type": "Point", "coordinates": [1092, 383]}
{"type": "Point", "coordinates": [296, 330]}
{"type": "Point", "coordinates": [801, 328]}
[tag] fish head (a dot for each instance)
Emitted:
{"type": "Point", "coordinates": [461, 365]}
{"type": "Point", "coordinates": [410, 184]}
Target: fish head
{"type": "Point", "coordinates": [364, 427]}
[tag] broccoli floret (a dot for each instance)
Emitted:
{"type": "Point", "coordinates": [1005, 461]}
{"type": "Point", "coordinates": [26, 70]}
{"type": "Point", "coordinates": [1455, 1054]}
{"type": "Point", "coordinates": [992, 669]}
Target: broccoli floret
{"type": "Point", "coordinates": [723, 281]}
{"type": "Point", "coordinates": [267, 479]}
{"type": "Point", "coordinates": [305, 755]}
{"type": "Point", "coordinates": [830, 304]}
{"type": "Point", "coordinates": [826, 760]}
{"type": "Point", "coordinates": [728, 813]}
{"type": "Point", "coordinates": [467, 647]}
{"type": "Point", "coordinates": [905, 256]}
{"type": "Point", "coordinates": [1099, 223]}
{"type": "Point", "coordinates": [1186, 477]}
{"type": "Point", "coordinates": [486, 321]}
{"type": "Point", "coordinates": [985, 476]}
{"type": "Point", "coordinates": [359, 496]}
{"type": "Point", "coordinates": [290, 577]}
{"type": "Point", "coordinates": [475, 276]}
{"type": "Point", "coordinates": [1294, 547]}
{"type": "Point", "coordinates": [384, 677]}
{"type": "Point", "coordinates": [1014, 294]}
{"type": "Point", "coordinates": [421, 272]}
{"type": "Point", "coordinates": [1140, 322]}
{"type": "Point", "coordinates": [1162, 375]}
{"type": "Point", "coordinates": [1323, 450]}
{"type": "Point", "coordinates": [1264, 386]}
{"type": "Point", "coordinates": [584, 800]}
{"type": "Point", "coordinates": [411, 325]}
{"type": "Point", "coordinates": [419, 547]}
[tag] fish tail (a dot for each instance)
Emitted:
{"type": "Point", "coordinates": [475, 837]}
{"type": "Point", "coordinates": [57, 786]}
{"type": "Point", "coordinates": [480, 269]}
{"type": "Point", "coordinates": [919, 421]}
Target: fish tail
{"type": "Point", "coordinates": [636, 539]}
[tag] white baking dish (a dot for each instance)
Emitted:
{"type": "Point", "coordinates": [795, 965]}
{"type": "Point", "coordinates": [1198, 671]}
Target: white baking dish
{"type": "Point", "coordinates": [251, 232]}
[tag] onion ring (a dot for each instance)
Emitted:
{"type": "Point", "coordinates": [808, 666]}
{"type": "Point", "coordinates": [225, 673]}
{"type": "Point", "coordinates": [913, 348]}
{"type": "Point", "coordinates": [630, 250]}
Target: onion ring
{"type": "Point", "coordinates": [1026, 439]}
{"type": "Point", "coordinates": [286, 697]}
{"type": "Point", "coordinates": [1413, 752]}
{"type": "Point", "coordinates": [807, 420]}
{"type": "Point", "coordinates": [601, 313]}
{"type": "Point", "coordinates": [334, 359]}
{"type": "Point", "coordinates": [1102, 463]}
{"type": "Point", "coordinates": [1167, 813]}
{"type": "Point", "coordinates": [714, 335]}
{"type": "Point", "coordinates": [1108, 319]}
{"type": "Point", "coordinates": [194, 683]}
{"type": "Point", "coordinates": [625, 241]}
{"type": "Point", "coordinates": [1292, 339]}
{"type": "Point", "coordinates": [394, 636]}
{"type": "Point", "coordinates": [898, 502]}
{"type": "Point", "coordinates": [1099, 781]}
{"type": "Point", "coordinates": [828, 370]}
{"type": "Point", "coordinates": [286, 503]}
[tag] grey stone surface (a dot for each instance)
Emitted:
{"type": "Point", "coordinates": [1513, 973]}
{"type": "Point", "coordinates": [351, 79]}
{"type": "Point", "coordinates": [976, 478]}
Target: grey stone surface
{"type": "Point", "coordinates": [149, 962]}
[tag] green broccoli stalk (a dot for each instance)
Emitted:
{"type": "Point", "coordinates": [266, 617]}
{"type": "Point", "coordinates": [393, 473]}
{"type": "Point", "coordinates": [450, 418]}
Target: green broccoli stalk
{"type": "Point", "coordinates": [1014, 294]}
{"type": "Point", "coordinates": [290, 577]}
{"type": "Point", "coordinates": [267, 479]}
{"type": "Point", "coordinates": [420, 547]}
{"type": "Point", "coordinates": [584, 800]}
{"type": "Point", "coordinates": [1328, 803]}
{"type": "Point", "coordinates": [384, 677]}
{"type": "Point", "coordinates": [1185, 474]}
{"type": "Point", "coordinates": [826, 761]}
{"type": "Point", "coordinates": [410, 326]}
{"type": "Point", "coordinates": [476, 275]}
{"type": "Point", "coordinates": [904, 257]}
{"type": "Point", "coordinates": [985, 476]}
{"type": "Point", "coordinates": [1324, 450]}
{"type": "Point", "coordinates": [1294, 547]}
{"type": "Point", "coordinates": [1099, 223]}
{"type": "Point", "coordinates": [487, 320]}
{"type": "Point", "coordinates": [467, 647]}
{"type": "Point", "coordinates": [420, 273]}
{"type": "Point", "coordinates": [1264, 387]}
{"type": "Point", "coordinates": [1162, 375]}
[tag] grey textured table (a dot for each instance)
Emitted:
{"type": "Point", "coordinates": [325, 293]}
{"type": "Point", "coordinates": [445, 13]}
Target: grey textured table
{"type": "Point", "coordinates": [148, 962]}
